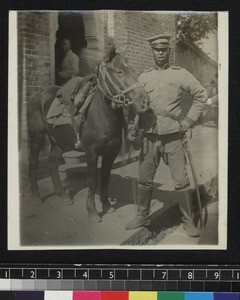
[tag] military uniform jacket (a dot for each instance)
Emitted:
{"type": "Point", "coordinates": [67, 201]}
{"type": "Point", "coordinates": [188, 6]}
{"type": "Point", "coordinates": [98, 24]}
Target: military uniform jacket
{"type": "Point", "coordinates": [165, 87]}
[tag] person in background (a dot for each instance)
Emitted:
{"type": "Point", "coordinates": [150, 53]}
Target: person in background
{"type": "Point", "coordinates": [212, 101]}
{"type": "Point", "coordinates": [70, 63]}
{"type": "Point", "coordinates": [162, 128]}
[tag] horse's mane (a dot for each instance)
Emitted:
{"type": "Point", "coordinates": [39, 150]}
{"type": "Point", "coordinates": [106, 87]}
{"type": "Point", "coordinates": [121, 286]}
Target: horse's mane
{"type": "Point", "coordinates": [119, 61]}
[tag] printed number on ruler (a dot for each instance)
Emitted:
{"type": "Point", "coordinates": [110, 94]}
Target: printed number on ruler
{"type": "Point", "coordinates": [216, 275]}
{"type": "Point", "coordinates": [108, 274]}
{"type": "Point", "coordinates": [32, 274]}
{"type": "Point", "coordinates": [236, 275]}
{"type": "Point", "coordinates": [4, 273]}
{"type": "Point", "coordinates": [187, 275]}
{"type": "Point", "coordinates": [82, 274]}
{"type": "Point", "coordinates": [190, 275]}
{"type": "Point", "coordinates": [213, 275]}
{"type": "Point", "coordinates": [161, 274]}
{"type": "Point", "coordinates": [29, 274]}
{"type": "Point", "coordinates": [56, 274]}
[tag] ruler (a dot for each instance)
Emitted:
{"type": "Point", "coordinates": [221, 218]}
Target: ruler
{"type": "Point", "coordinates": [120, 277]}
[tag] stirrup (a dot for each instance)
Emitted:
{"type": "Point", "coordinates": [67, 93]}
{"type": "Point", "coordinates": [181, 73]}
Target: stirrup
{"type": "Point", "coordinates": [78, 142]}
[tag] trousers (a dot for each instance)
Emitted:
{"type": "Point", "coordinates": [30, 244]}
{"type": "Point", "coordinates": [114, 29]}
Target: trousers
{"type": "Point", "coordinates": [168, 147]}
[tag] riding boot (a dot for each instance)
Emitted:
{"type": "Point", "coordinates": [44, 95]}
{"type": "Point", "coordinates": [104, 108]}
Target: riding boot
{"type": "Point", "coordinates": [185, 205]}
{"type": "Point", "coordinates": [143, 206]}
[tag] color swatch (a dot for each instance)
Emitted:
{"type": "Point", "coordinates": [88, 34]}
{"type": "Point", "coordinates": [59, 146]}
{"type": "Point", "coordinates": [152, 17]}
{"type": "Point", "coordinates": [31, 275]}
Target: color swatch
{"type": "Point", "coordinates": [111, 295]}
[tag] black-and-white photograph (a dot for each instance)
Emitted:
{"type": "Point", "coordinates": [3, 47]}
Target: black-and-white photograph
{"type": "Point", "coordinates": [117, 134]}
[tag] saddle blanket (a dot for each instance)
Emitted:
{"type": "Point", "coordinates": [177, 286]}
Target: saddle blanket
{"type": "Point", "coordinates": [58, 113]}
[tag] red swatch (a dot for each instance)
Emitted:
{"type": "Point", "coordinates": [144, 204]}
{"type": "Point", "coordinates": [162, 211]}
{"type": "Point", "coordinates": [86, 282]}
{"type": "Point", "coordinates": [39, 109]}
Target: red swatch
{"type": "Point", "coordinates": [114, 295]}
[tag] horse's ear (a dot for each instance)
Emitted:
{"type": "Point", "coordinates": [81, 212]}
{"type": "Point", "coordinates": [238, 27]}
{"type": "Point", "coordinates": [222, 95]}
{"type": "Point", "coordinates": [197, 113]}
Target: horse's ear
{"type": "Point", "coordinates": [122, 48]}
{"type": "Point", "coordinates": [110, 54]}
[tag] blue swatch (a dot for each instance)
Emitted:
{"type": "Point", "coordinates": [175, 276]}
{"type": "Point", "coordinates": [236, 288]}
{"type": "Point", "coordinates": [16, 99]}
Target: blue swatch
{"type": "Point", "coordinates": [199, 296]}
{"type": "Point", "coordinates": [226, 296]}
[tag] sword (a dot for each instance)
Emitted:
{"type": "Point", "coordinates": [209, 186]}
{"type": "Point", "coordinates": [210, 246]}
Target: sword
{"type": "Point", "coordinates": [133, 180]}
{"type": "Point", "coordinates": [189, 155]}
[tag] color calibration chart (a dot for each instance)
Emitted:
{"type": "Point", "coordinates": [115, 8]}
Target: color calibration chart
{"type": "Point", "coordinates": [125, 282]}
{"type": "Point", "coordinates": [80, 295]}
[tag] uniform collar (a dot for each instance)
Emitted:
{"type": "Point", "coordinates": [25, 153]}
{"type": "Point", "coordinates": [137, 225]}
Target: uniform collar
{"type": "Point", "coordinates": [166, 66]}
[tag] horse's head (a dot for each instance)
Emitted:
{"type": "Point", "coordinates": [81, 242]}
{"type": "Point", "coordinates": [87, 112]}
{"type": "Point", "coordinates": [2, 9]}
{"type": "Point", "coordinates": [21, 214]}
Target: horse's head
{"type": "Point", "coordinates": [120, 83]}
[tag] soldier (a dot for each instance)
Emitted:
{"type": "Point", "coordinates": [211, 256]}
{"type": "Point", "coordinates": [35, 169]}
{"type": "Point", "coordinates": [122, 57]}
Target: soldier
{"type": "Point", "coordinates": [161, 130]}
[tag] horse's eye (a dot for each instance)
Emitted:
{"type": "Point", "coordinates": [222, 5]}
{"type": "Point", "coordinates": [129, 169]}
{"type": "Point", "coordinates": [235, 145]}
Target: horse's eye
{"type": "Point", "coordinates": [120, 72]}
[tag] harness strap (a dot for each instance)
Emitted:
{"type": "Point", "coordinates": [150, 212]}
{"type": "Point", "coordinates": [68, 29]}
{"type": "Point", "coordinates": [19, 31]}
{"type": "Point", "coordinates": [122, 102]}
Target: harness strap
{"type": "Point", "coordinates": [87, 101]}
{"type": "Point", "coordinates": [113, 98]}
{"type": "Point", "coordinates": [133, 86]}
{"type": "Point", "coordinates": [76, 89]}
{"type": "Point", "coordinates": [103, 73]}
{"type": "Point", "coordinates": [71, 111]}
{"type": "Point", "coordinates": [110, 80]}
{"type": "Point", "coordinates": [81, 84]}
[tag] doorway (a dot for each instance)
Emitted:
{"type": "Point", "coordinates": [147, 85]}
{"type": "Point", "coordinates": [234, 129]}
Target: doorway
{"type": "Point", "coordinates": [71, 27]}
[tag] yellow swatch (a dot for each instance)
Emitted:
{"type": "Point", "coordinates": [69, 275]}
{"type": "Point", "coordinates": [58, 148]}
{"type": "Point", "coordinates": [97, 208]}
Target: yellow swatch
{"type": "Point", "coordinates": [142, 296]}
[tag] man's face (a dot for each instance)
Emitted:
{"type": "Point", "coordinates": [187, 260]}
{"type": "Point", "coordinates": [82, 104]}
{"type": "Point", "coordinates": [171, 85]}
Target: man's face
{"type": "Point", "coordinates": [66, 46]}
{"type": "Point", "coordinates": [161, 56]}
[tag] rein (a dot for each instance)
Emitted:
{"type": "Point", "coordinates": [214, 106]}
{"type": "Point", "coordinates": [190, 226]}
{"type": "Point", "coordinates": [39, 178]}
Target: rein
{"type": "Point", "coordinates": [119, 99]}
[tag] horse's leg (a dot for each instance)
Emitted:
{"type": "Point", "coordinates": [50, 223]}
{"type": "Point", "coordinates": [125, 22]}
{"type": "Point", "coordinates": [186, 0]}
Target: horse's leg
{"type": "Point", "coordinates": [54, 161]}
{"type": "Point", "coordinates": [107, 163]}
{"type": "Point", "coordinates": [35, 141]}
{"type": "Point", "coordinates": [92, 157]}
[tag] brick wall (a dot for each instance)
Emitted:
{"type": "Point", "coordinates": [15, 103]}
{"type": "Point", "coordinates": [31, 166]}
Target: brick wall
{"type": "Point", "coordinates": [196, 62]}
{"type": "Point", "coordinates": [133, 28]}
{"type": "Point", "coordinates": [199, 64]}
{"type": "Point", "coordinates": [34, 62]}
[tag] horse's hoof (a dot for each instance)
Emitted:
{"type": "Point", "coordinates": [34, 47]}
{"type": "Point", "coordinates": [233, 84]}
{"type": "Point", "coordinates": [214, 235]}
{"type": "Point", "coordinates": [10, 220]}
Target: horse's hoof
{"type": "Point", "coordinates": [110, 210]}
{"type": "Point", "coordinates": [94, 219]}
{"type": "Point", "coordinates": [65, 200]}
{"type": "Point", "coordinates": [37, 200]}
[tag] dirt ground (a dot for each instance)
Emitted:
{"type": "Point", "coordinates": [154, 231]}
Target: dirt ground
{"type": "Point", "coordinates": [176, 234]}
{"type": "Point", "coordinates": [52, 224]}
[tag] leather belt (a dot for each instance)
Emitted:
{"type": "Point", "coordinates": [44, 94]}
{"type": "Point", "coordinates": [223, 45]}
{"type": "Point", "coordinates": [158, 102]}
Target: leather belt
{"type": "Point", "coordinates": [165, 114]}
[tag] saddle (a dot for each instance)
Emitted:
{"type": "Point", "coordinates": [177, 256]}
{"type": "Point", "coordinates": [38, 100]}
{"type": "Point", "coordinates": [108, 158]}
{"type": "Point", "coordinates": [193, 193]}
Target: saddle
{"type": "Point", "coordinates": [82, 90]}
{"type": "Point", "coordinates": [71, 104]}
{"type": "Point", "coordinates": [70, 101]}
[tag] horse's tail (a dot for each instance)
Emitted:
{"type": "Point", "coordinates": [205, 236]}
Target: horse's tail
{"type": "Point", "coordinates": [37, 109]}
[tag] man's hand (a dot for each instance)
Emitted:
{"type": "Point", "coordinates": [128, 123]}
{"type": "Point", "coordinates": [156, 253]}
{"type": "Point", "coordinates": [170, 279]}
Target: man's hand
{"type": "Point", "coordinates": [132, 136]}
{"type": "Point", "coordinates": [146, 105]}
{"type": "Point", "coordinates": [209, 101]}
{"type": "Point", "coordinates": [184, 126]}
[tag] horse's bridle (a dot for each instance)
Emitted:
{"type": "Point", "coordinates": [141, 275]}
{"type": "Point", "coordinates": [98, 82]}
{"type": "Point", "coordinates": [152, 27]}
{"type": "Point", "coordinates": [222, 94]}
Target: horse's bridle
{"type": "Point", "coordinates": [119, 99]}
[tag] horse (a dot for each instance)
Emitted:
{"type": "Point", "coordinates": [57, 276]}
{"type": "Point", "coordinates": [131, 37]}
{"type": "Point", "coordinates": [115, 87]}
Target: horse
{"type": "Point", "coordinates": [101, 132]}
